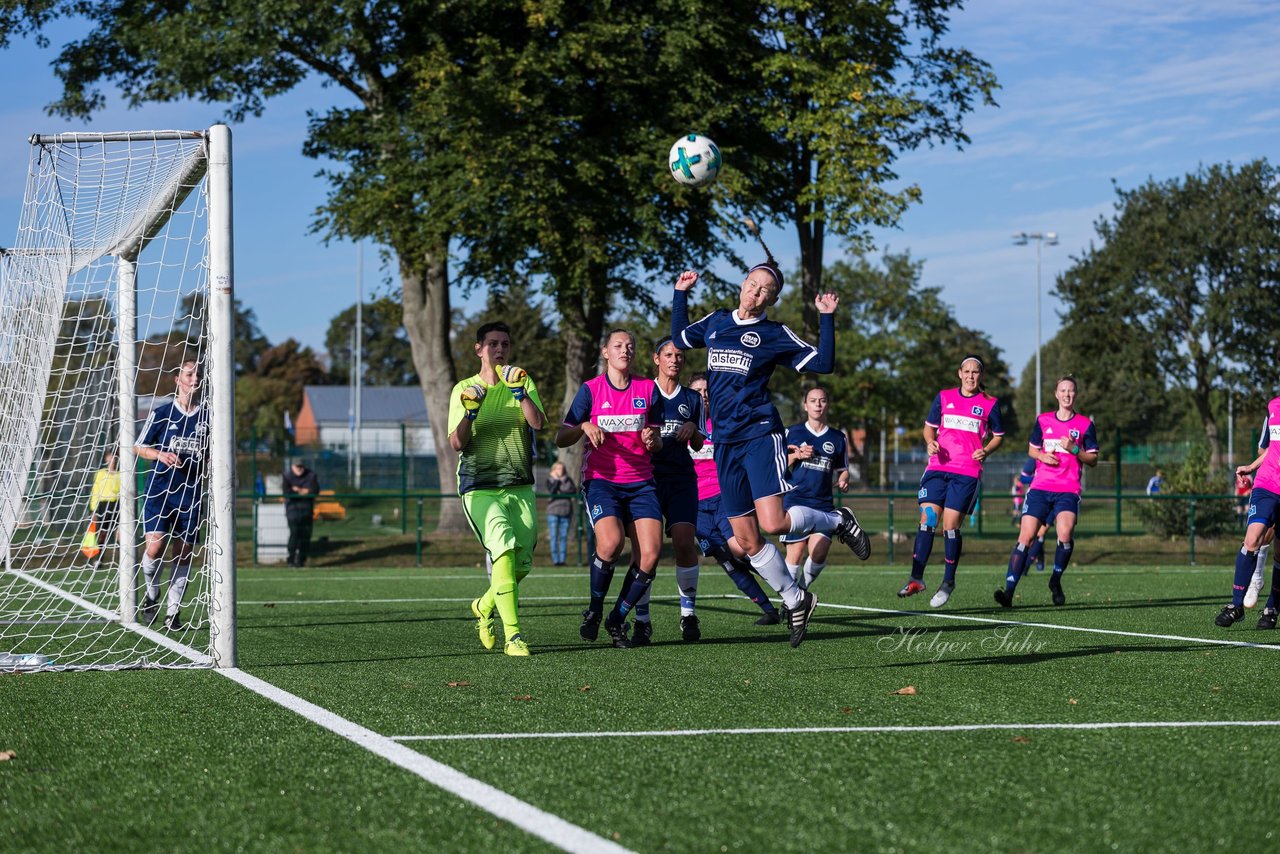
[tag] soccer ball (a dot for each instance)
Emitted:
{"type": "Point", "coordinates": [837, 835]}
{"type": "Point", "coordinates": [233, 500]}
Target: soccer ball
{"type": "Point", "coordinates": [694, 160]}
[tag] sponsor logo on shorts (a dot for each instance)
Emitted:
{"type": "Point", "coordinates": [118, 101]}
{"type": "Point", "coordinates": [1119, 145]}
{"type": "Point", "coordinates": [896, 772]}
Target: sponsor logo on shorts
{"type": "Point", "coordinates": [751, 339]}
{"type": "Point", "coordinates": [595, 511]}
{"type": "Point", "coordinates": [729, 360]}
{"type": "Point", "coordinates": [923, 493]}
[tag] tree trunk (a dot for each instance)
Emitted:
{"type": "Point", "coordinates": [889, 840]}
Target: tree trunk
{"type": "Point", "coordinates": [1201, 396]}
{"type": "Point", "coordinates": [427, 319]}
{"type": "Point", "coordinates": [583, 327]}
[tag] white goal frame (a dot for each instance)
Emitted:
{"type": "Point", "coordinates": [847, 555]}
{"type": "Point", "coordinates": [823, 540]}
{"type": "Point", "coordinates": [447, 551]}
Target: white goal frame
{"type": "Point", "coordinates": [219, 382]}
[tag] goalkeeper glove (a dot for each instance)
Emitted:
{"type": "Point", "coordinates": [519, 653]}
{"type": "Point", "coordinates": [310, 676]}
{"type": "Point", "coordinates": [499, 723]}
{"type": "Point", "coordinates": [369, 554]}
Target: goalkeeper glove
{"type": "Point", "coordinates": [514, 378]}
{"type": "Point", "coordinates": [472, 396]}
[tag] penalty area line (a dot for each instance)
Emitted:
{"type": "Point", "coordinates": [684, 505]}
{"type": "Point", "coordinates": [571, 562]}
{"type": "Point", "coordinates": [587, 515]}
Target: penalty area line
{"type": "Point", "coordinates": [1057, 626]}
{"type": "Point", "coordinates": [849, 730]}
{"type": "Point", "coordinates": [544, 825]}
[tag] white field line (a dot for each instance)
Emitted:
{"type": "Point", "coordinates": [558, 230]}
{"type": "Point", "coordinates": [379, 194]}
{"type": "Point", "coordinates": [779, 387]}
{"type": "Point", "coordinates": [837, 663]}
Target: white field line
{"type": "Point", "coordinates": [114, 617]}
{"type": "Point", "coordinates": [826, 730]}
{"type": "Point", "coordinates": [544, 825]}
{"type": "Point", "coordinates": [308, 576]}
{"type": "Point", "coordinates": [446, 600]}
{"type": "Point", "coordinates": [1006, 622]}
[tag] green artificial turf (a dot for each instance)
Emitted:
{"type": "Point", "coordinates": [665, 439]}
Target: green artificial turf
{"type": "Point", "coordinates": [179, 760]}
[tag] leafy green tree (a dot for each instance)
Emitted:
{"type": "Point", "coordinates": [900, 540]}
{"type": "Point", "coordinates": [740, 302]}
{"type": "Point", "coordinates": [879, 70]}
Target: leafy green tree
{"type": "Point", "coordinates": [1191, 265]}
{"type": "Point", "coordinates": [845, 88]}
{"type": "Point", "coordinates": [384, 344]}
{"type": "Point", "coordinates": [274, 388]}
{"type": "Point", "coordinates": [250, 342]}
{"type": "Point", "coordinates": [1171, 517]}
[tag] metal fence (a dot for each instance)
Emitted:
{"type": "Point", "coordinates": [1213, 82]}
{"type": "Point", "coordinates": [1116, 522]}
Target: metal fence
{"type": "Point", "coordinates": [402, 528]}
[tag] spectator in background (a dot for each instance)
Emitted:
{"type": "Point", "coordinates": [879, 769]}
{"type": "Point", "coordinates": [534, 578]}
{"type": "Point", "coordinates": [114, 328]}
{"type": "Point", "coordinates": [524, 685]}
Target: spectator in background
{"type": "Point", "coordinates": [104, 503]}
{"type": "Point", "coordinates": [559, 510]}
{"type": "Point", "coordinates": [1157, 481]}
{"type": "Point", "coordinates": [300, 488]}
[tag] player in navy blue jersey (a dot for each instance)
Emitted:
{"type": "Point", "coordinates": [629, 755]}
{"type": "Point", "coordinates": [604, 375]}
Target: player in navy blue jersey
{"type": "Point", "coordinates": [681, 411]}
{"type": "Point", "coordinates": [176, 439]}
{"type": "Point", "coordinates": [819, 458]}
{"type": "Point", "coordinates": [743, 349]}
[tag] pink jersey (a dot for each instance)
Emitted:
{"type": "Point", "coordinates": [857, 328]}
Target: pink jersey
{"type": "Point", "coordinates": [1268, 475]}
{"type": "Point", "coordinates": [962, 424]}
{"type": "Point", "coordinates": [621, 413]}
{"type": "Point", "coordinates": [704, 466]}
{"type": "Point", "coordinates": [1048, 436]}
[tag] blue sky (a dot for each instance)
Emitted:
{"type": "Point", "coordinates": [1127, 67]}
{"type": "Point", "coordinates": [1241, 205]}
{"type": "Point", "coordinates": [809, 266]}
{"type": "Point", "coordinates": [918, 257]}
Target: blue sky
{"type": "Point", "coordinates": [1091, 92]}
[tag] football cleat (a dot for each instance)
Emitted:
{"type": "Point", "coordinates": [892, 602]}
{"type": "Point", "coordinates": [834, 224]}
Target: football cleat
{"type": "Point", "coordinates": [689, 629]}
{"type": "Point", "coordinates": [1229, 615]}
{"type": "Point", "coordinates": [770, 618]}
{"type": "Point", "coordinates": [1004, 597]}
{"type": "Point", "coordinates": [590, 629]}
{"type": "Point", "coordinates": [851, 534]}
{"type": "Point", "coordinates": [150, 610]}
{"type": "Point", "coordinates": [517, 648]}
{"type": "Point", "coordinates": [642, 635]}
{"type": "Point", "coordinates": [798, 618]}
{"type": "Point", "coordinates": [911, 588]}
{"type": "Point", "coordinates": [1267, 619]}
{"type": "Point", "coordinates": [942, 596]}
{"type": "Point", "coordinates": [616, 625]}
{"type": "Point", "coordinates": [173, 622]}
{"type": "Point", "coordinates": [1055, 587]}
{"type": "Point", "coordinates": [484, 626]}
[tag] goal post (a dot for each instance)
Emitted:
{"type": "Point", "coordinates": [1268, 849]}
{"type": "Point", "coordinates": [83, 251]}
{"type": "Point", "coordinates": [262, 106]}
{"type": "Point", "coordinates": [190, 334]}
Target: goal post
{"type": "Point", "coordinates": [121, 274]}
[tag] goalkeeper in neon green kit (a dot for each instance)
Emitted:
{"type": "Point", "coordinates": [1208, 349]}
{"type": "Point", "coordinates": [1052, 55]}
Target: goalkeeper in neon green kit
{"type": "Point", "coordinates": [492, 419]}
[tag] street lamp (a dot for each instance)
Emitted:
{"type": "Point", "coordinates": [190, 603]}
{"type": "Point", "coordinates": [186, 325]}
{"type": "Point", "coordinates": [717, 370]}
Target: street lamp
{"type": "Point", "coordinates": [1022, 238]}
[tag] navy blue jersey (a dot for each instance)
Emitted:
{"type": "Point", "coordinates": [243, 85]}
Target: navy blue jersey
{"type": "Point", "coordinates": [683, 405]}
{"type": "Point", "coordinates": [741, 357]}
{"type": "Point", "coordinates": [811, 480]}
{"type": "Point", "coordinates": [186, 434]}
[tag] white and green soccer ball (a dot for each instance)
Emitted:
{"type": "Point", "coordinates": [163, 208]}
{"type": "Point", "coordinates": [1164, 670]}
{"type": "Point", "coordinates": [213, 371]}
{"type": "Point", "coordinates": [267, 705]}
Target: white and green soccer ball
{"type": "Point", "coordinates": [694, 160]}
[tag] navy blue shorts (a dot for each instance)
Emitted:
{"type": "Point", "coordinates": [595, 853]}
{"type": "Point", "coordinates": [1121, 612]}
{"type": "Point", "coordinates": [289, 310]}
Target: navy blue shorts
{"type": "Point", "coordinates": [627, 501]}
{"type": "Point", "coordinates": [756, 468]}
{"type": "Point", "coordinates": [678, 498]}
{"type": "Point", "coordinates": [713, 527]}
{"type": "Point", "coordinates": [172, 518]}
{"type": "Point", "coordinates": [1263, 505]}
{"type": "Point", "coordinates": [1046, 506]}
{"type": "Point", "coordinates": [949, 490]}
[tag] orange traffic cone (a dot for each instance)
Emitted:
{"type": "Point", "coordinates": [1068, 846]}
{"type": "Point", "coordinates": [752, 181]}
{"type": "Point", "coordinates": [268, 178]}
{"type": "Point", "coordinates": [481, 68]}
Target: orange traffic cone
{"type": "Point", "coordinates": [89, 545]}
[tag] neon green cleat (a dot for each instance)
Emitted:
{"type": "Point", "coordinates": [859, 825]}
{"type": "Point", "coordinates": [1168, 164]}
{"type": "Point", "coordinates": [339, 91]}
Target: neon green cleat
{"type": "Point", "coordinates": [517, 647]}
{"type": "Point", "coordinates": [484, 625]}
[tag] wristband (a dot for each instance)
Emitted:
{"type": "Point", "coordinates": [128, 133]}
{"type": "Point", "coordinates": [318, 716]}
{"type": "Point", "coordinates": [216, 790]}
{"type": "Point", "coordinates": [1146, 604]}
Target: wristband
{"type": "Point", "coordinates": [1075, 452]}
{"type": "Point", "coordinates": [470, 414]}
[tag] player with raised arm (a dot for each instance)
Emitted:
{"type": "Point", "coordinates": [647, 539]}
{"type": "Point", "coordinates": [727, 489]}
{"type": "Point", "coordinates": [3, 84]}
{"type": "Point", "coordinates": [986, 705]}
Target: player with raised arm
{"type": "Point", "coordinates": [715, 534]}
{"type": "Point", "coordinates": [492, 418]}
{"type": "Point", "coordinates": [817, 459]}
{"type": "Point", "coordinates": [961, 430]}
{"type": "Point", "coordinates": [1264, 510]}
{"type": "Point", "coordinates": [176, 439]}
{"type": "Point", "coordinates": [744, 348]}
{"type": "Point", "coordinates": [621, 419]}
{"type": "Point", "coordinates": [1061, 442]}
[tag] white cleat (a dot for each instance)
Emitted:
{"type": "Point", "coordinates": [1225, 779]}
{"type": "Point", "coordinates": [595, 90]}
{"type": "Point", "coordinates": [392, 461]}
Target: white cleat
{"type": "Point", "coordinates": [1255, 587]}
{"type": "Point", "coordinates": [942, 596]}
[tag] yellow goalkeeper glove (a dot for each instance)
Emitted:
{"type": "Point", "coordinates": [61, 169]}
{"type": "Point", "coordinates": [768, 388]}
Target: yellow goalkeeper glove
{"type": "Point", "coordinates": [514, 378]}
{"type": "Point", "coordinates": [472, 396]}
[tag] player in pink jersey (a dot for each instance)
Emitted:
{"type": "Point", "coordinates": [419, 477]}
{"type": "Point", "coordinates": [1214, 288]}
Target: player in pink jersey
{"type": "Point", "coordinates": [1061, 442]}
{"type": "Point", "coordinates": [1264, 509]}
{"type": "Point", "coordinates": [620, 417]}
{"type": "Point", "coordinates": [962, 429]}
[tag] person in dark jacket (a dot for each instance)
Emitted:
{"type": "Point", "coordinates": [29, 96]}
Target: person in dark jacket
{"type": "Point", "coordinates": [559, 510]}
{"type": "Point", "coordinates": [300, 488]}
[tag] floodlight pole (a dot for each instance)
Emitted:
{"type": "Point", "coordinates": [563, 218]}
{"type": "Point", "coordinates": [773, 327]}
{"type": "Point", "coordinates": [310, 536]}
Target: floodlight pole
{"type": "Point", "coordinates": [1021, 239]}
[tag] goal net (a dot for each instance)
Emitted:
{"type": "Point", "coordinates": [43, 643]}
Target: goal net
{"type": "Point", "coordinates": [120, 275]}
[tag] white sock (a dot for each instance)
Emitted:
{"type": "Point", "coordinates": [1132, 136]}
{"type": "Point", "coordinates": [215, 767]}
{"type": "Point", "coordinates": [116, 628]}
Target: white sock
{"type": "Point", "coordinates": [151, 575]}
{"type": "Point", "coordinates": [811, 571]}
{"type": "Point", "coordinates": [177, 587]}
{"type": "Point", "coordinates": [806, 520]}
{"type": "Point", "coordinates": [793, 569]}
{"type": "Point", "coordinates": [1260, 571]}
{"type": "Point", "coordinates": [687, 581]}
{"type": "Point", "coordinates": [773, 569]}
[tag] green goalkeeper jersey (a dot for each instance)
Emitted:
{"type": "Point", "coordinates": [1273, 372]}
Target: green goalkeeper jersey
{"type": "Point", "coordinates": [500, 453]}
